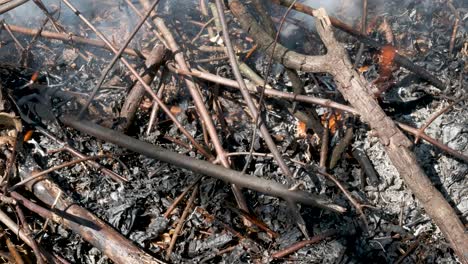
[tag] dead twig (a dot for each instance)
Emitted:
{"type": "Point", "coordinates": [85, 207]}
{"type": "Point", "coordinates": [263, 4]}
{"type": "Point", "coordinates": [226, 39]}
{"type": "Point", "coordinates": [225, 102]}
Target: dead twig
{"type": "Point", "coordinates": [18, 44]}
{"type": "Point", "coordinates": [268, 92]}
{"type": "Point", "coordinates": [70, 38]}
{"type": "Point", "coordinates": [434, 142]}
{"type": "Point", "coordinates": [27, 231]}
{"type": "Point", "coordinates": [26, 52]}
{"type": "Point", "coordinates": [154, 110]}
{"type": "Point", "coordinates": [295, 247]}
{"type": "Point", "coordinates": [324, 147]}
{"type": "Point", "coordinates": [181, 196]}
{"type": "Point", "coordinates": [246, 95]}
{"type": "Point", "coordinates": [5, 219]}
{"type": "Point", "coordinates": [357, 59]}
{"type": "Point", "coordinates": [92, 229]}
{"type": "Point", "coordinates": [75, 152]}
{"type": "Point", "coordinates": [357, 205]}
{"type": "Point", "coordinates": [456, 13]}
{"type": "Point", "coordinates": [256, 114]}
{"type": "Point", "coordinates": [257, 222]}
{"type": "Point", "coordinates": [435, 116]}
{"type": "Point", "coordinates": [367, 167]}
{"type": "Point", "coordinates": [134, 97]}
{"type": "Point", "coordinates": [341, 147]}
{"type": "Point", "coordinates": [42, 174]}
{"type": "Point", "coordinates": [181, 221]}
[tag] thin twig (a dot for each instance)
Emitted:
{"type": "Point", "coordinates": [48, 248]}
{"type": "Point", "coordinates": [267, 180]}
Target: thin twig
{"type": "Point", "coordinates": [246, 95]}
{"type": "Point", "coordinates": [201, 30]}
{"type": "Point", "coordinates": [456, 13]}
{"type": "Point", "coordinates": [200, 106]}
{"type": "Point", "coordinates": [5, 219]}
{"type": "Point", "coordinates": [42, 174]}
{"type": "Point", "coordinates": [70, 38]}
{"type": "Point", "coordinates": [181, 222]}
{"type": "Point", "coordinates": [366, 166]}
{"type": "Point", "coordinates": [46, 12]}
{"type": "Point", "coordinates": [28, 232]}
{"type": "Point", "coordinates": [363, 31]}
{"type": "Point", "coordinates": [296, 246]}
{"type": "Point", "coordinates": [26, 51]}
{"type": "Point", "coordinates": [358, 206]}
{"type": "Point", "coordinates": [11, 5]}
{"type": "Point", "coordinates": [268, 92]}
{"type": "Point", "coordinates": [154, 110]}
{"type": "Point", "coordinates": [324, 147]}
{"type": "Point", "coordinates": [73, 151]}
{"type": "Point", "coordinates": [180, 197]}
{"type": "Point", "coordinates": [435, 116]}
{"type": "Point", "coordinates": [18, 44]}
{"type": "Point", "coordinates": [434, 142]}
{"type": "Point", "coordinates": [341, 147]}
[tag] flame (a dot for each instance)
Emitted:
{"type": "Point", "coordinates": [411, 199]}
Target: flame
{"type": "Point", "coordinates": [387, 55]}
{"type": "Point", "coordinates": [332, 121]}
{"type": "Point", "coordinates": [34, 77]}
{"type": "Point", "coordinates": [301, 130]}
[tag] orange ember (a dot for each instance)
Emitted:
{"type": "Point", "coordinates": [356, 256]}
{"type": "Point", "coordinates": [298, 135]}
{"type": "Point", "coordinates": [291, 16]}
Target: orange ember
{"type": "Point", "coordinates": [28, 135]}
{"type": "Point", "coordinates": [35, 76]}
{"type": "Point", "coordinates": [332, 121]}
{"type": "Point", "coordinates": [387, 55]}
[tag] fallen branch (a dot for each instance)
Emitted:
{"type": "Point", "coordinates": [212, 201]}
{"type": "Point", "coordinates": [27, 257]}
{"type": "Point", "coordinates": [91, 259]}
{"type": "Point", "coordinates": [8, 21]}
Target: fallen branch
{"type": "Point", "coordinates": [81, 221]}
{"type": "Point", "coordinates": [199, 166]}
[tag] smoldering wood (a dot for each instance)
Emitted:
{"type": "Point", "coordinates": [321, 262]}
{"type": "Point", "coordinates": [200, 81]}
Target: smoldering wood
{"type": "Point", "coordinates": [356, 90]}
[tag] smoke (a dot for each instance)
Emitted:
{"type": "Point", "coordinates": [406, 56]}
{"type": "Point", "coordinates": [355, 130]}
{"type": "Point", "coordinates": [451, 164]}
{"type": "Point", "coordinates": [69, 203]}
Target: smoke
{"type": "Point", "coordinates": [112, 18]}
{"type": "Point", "coordinates": [29, 14]}
{"type": "Point", "coordinates": [348, 11]}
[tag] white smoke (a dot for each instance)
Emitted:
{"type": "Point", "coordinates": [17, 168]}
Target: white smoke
{"type": "Point", "coordinates": [346, 10]}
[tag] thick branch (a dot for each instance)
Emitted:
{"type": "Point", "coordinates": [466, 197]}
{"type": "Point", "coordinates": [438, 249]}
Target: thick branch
{"type": "Point", "coordinates": [288, 58]}
{"type": "Point", "coordinates": [200, 166]}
